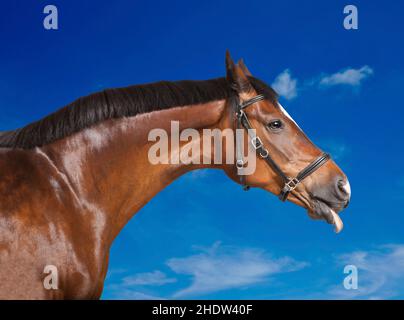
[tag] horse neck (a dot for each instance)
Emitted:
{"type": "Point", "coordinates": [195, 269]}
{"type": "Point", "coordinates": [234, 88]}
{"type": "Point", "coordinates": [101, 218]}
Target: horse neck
{"type": "Point", "coordinates": [107, 166]}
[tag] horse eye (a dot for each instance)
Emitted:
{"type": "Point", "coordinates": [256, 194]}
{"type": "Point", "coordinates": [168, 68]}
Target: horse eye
{"type": "Point", "coordinates": [275, 125]}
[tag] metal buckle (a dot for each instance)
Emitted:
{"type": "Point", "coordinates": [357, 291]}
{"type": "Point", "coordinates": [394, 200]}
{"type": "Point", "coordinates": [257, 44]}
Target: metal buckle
{"type": "Point", "coordinates": [292, 184]}
{"type": "Point", "coordinates": [264, 153]}
{"type": "Point", "coordinates": [256, 142]}
{"type": "Point", "coordinates": [239, 113]}
{"type": "Point", "coordinates": [240, 164]}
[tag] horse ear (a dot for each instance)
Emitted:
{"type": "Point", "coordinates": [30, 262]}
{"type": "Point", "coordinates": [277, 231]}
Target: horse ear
{"type": "Point", "coordinates": [230, 66]}
{"type": "Point", "coordinates": [243, 67]}
{"type": "Point", "coordinates": [235, 76]}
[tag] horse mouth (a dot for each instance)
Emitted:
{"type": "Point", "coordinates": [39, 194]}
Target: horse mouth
{"type": "Point", "coordinates": [321, 209]}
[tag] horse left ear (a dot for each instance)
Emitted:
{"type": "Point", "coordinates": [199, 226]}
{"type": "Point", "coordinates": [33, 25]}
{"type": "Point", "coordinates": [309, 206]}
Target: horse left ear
{"type": "Point", "coordinates": [243, 67]}
{"type": "Point", "coordinates": [236, 76]}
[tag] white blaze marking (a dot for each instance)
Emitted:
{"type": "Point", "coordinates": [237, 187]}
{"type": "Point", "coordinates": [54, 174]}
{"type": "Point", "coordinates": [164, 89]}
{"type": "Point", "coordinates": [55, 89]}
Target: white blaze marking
{"type": "Point", "coordinates": [288, 115]}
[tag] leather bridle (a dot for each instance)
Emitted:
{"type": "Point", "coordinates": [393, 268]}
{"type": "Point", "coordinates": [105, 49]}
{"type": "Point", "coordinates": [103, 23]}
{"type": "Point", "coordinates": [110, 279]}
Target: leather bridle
{"type": "Point", "coordinates": [289, 184]}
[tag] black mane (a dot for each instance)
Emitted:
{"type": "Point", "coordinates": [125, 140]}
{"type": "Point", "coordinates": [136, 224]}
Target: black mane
{"type": "Point", "coordinates": [122, 102]}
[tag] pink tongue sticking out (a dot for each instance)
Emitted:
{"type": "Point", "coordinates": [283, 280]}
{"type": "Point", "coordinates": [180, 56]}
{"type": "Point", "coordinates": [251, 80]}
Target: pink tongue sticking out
{"type": "Point", "coordinates": [339, 225]}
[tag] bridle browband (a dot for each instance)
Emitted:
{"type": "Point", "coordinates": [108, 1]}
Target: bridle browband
{"type": "Point", "coordinates": [289, 183]}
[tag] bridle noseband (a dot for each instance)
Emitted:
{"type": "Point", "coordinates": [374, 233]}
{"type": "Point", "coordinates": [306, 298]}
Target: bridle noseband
{"type": "Point", "coordinates": [289, 183]}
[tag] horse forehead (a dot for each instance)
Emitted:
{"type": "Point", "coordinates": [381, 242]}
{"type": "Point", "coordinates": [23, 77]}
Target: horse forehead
{"type": "Point", "coordinates": [287, 114]}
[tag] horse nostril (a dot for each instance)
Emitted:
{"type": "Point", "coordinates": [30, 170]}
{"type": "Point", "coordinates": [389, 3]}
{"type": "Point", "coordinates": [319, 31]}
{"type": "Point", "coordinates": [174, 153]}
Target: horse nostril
{"type": "Point", "coordinates": [344, 188]}
{"type": "Point", "coordinates": [341, 185]}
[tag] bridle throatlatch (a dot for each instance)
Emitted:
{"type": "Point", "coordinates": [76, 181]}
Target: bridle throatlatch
{"type": "Point", "coordinates": [289, 184]}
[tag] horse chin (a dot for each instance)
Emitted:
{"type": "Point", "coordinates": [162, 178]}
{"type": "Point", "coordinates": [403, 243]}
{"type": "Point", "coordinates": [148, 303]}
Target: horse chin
{"type": "Point", "coordinates": [321, 210]}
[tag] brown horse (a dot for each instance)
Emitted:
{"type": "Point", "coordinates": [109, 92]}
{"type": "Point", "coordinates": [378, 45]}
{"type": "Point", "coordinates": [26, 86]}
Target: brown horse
{"type": "Point", "coordinates": [71, 181]}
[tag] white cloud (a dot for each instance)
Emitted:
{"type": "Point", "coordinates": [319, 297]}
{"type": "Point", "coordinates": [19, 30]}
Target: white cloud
{"type": "Point", "coordinates": [131, 294]}
{"type": "Point", "coordinates": [155, 278]}
{"type": "Point", "coordinates": [221, 268]}
{"type": "Point", "coordinates": [134, 287]}
{"type": "Point", "coordinates": [285, 85]}
{"type": "Point", "coordinates": [115, 271]}
{"type": "Point", "coordinates": [380, 274]}
{"type": "Point", "coordinates": [212, 269]}
{"type": "Point", "coordinates": [352, 77]}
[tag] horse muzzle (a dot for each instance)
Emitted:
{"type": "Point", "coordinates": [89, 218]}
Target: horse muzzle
{"type": "Point", "coordinates": [327, 203]}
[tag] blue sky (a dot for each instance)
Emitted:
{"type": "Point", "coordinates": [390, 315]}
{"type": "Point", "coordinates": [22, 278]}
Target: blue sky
{"type": "Point", "coordinates": [203, 237]}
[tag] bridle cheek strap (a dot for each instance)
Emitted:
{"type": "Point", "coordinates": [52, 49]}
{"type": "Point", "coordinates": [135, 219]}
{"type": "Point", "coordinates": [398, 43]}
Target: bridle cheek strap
{"type": "Point", "coordinates": [289, 184]}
